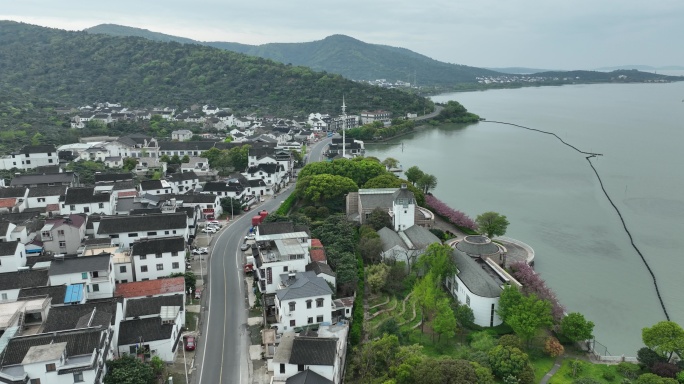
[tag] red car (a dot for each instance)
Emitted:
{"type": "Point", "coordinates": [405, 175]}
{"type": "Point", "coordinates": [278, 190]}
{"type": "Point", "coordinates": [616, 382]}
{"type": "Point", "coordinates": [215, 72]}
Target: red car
{"type": "Point", "coordinates": [189, 343]}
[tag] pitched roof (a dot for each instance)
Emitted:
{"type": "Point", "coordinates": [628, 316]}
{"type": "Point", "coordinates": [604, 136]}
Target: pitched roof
{"type": "Point", "coordinates": [8, 248]}
{"type": "Point", "coordinates": [63, 266]}
{"type": "Point", "coordinates": [276, 227]}
{"type": "Point", "coordinates": [147, 185]}
{"type": "Point", "coordinates": [307, 284]}
{"type": "Point", "coordinates": [313, 351]}
{"type": "Point", "coordinates": [112, 177]}
{"type": "Point", "coordinates": [390, 239]}
{"type": "Point", "coordinates": [475, 278]}
{"type": "Point", "coordinates": [160, 245]}
{"type": "Point", "coordinates": [119, 224]}
{"type": "Point", "coordinates": [421, 237]}
{"type": "Point", "coordinates": [84, 195]}
{"type": "Point", "coordinates": [307, 376]}
{"type": "Point", "coordinates": [56, 292]}
{"type": "Point", "coordinates": [151, 287]}
{"type": "Point", "coordinates": [221, 186]}
{"type": "Point", "coordinates": [376, 197]}
{"type": "Point", "coordinates": [73, 220]}
{"type": "Point", "coordinates": [152, 305]}
{"type": "Point", "coordinates": [319, 267]}
{"type": "Point", "coordinates": [46, 190]}
{"type": "Point", "coordinates": [8, 202]}
{"type": "Point", "coordinates": [71, 316]}
{"type": "Point", "coordinates": [12, 192]}
{"type": "Point", "coordinates": [191, 175]}
{"type": "Point", "coordinates": [23, 279]}
{"type": "Point", "coordinates": [46, 148]}
{"type": "Point", "coordinates": [146, 329]}
{"type": "Point", "coordinates": [46, 178]}
{"type": "Point", "coordinates": [81, 342]}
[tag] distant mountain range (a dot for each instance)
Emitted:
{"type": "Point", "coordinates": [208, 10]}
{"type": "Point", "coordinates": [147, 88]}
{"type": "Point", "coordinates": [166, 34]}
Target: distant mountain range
{"type": "Point", "coordinates": [643, 68]}
{"type": "Point", "coordinates": [519, 70]}
{"type": "Point", "coordinates": [344, 55]}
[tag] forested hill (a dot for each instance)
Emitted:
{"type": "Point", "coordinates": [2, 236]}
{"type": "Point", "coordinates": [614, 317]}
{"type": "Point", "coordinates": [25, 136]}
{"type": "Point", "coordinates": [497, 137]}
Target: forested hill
{"type": "Point", "coordinates": [79, 68]}
{"type": "Point", "coordinates": [351, 58]}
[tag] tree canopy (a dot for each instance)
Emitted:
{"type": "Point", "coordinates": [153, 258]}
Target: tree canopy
{"type": "Point", "coordinates": [492, 224]}
{"type": "Point", "coordinates": [665, 337]}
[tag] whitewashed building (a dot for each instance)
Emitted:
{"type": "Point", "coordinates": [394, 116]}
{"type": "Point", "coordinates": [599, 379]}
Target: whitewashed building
{"type": "Point", "coordinates": [96, 272]}
{"type": "Point", "coordinates": [160, 257]}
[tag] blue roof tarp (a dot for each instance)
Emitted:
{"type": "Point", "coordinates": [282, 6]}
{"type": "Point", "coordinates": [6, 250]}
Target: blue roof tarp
{"type": "Point", "coordinates": [74, 294]}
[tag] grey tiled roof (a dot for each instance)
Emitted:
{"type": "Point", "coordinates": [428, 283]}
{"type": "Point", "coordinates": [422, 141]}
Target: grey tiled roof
{"type": "Point", "coordinates": [66, 177]}
{"type": "Point", "coordinates": [57, 190]}
{"type": "Point", "coordinates": [112, 177]}
{"type": "Point", "coordinates": [23, 279]}
{"type": "Point", "coordinates": [82, 342]}
{"type": "Point", "coordinates": [421, 237]}
{"type": "Point", "coordinates": [160, 245]}
{"type": "Point", "coordinates": [390, 239]}
{"type": "Point", "coordinates": [148, 185]}
{"type": "Point", "coordinates": [12, 192]}
{"type": "Point", "coordinates": [67, 317]}
{"type": "Point", "coordinates": [307, 376]}
{"type": "Point", "coordinates": [474, 277]}
{"type": "Point", "coordinates": [7, 248]}
{"type": "Point", "coordinates": [145, 330]}
{"type": "Point", "coordinates": [80, 264]}
{"type": "Point", "coordinates": [183, 176]}
{"type": "Point", "coordinates": [307, 284]}
{"type": "Point", "coordinates": [56, 292]}
{"type": "Point", "coordinates": [313, 351]}
{"type": "Point", "coordinates": [199, 198]}
{"type": "Point", "coordinates": [319, 267]}
{"type": "Point", "coordinates": [85, 195]}
{"type": "Point", "coordinates": [46, 148]}
{"type": "Point", "coordinates": [152, 305]}
{"type": "Point", "coordinates": [276, 227]}
{"type": "Point", "coordinates": [119, 224]}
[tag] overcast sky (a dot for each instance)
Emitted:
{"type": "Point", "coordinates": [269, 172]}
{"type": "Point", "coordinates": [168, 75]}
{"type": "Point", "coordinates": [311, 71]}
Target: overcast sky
{"type": "Point", "coordinates": [550, 34]}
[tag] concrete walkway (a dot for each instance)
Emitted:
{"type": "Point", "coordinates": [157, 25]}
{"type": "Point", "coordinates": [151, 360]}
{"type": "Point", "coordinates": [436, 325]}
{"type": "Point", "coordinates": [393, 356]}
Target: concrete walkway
{"type": "Point", "coordinates": [554, 369]}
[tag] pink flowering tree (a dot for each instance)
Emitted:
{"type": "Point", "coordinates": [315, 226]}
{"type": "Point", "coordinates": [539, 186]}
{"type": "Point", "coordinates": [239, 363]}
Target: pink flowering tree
{"type": "Point", "coordinates": [455, 217]}
{"type": "Point", "coordinates": [533, 283]}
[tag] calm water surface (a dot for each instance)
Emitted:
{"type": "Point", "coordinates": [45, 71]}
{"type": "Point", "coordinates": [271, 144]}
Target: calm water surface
{"type": "Point", "coordinates": [554, 202]}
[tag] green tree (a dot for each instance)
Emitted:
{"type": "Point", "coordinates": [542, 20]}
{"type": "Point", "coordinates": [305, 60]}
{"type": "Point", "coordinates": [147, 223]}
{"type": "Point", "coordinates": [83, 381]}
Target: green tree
{"type": "Point", "coordinates": [413, 174]}
{"type": "Point", "coordinates": [230, 205]}
{"type": "Point", "coordinates": [464, 316]}
{"type": "Point", "coordinates": [129, 163]}
{"type": "Point", "coordinates": [437, 260]}
{"type": "Point", "coordinates": [390, 180]}
{"type": "Point", "coordinates": [427, 182]}
{"type": "Point", "coordinates": [492, 224]}
{"type": "Point", "coordinates": [320, 188]}
{"type": "Point", "coordinates": [647, 357]}
{"type": "Point", "coordinates": [665, 337]}
{"type": "Point", "coordinates": [376, 276]}
{"type": "Point", "coordinates": [576, 328]}
{"type": "Point", "coordinates": [506, 361]}
{"type": "Point", "coordinates": [445, 370]}
{"type": "Point", "coordinates": [529, 316]}
{"type": "Point", "coordinates": [129, 370]}
{"type": "Point", "coordinates": [370, 249]}
{"type": "Point", "coordinates": [426, 294]}
{"type": "Point", "coordinates": [185, 159]}
{"type": "Point", "coordinates": [390, 162]}
{"type": "Point", "coordinates": [649, 378]}
{"type": "Point", "coordinates": [482, 341]}
{"type": "Point", "coordinates": [444, 322]}
{"type": "Point", "coordinates": [190, 279]}
{"type": "Point", "coordinates": [379, 218]}
{"type": "Point", "coordinates": [165, 159]}
{"type": "Point", "coordinates": [37, 139]}
{"type": "Point", "coordinates": [175, 159]}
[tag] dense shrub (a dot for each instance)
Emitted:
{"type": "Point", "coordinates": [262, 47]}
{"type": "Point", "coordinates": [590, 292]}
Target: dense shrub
{"type": "Point", "coordinates": [533, 283]}
{"type": "Point", "coordinates": [457, 218]}
{"type": "Point", "coordinates": [553, 347]}
{"type": "Point", "coordinates": [664, 369]}
{"type": "Point", "coordinates": [628, 370]}
{"type": "Point", "coordinates": [647, 357]}
{"type": "Point", "coordinates": [510, 341]}
{"type": "Point", "coordinates": [586, 380]}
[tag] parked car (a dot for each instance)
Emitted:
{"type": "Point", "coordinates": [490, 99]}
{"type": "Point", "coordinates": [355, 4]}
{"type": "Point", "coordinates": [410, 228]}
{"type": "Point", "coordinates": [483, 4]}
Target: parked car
{"type": "Point", "coordinates": [245, 247]}
{"type": "Point", "coordinates": [214, 222]}
{"type": "Point", "coordinates": [250, 236]}
{"type": "Point", "coordinates": [214, 226]}
{"type": "Point", "coordinates": [190, 343]}
{"type": "Point", "coordinates": [200, 251]}
{"type": "Point", "coordinates": [209, 230]}
{"type": "Point", "coordinates": [198, 294]}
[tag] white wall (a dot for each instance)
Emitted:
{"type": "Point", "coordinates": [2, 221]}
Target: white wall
{"type": "Point", "coordinates": [125, 239]}
{"type": "Point", "coordinates": [106, 207]}
{"type": "Point", "coordinates": [11, 263]}
{"type": "Point", "coordinates": [105, 283]}
{"type": "Point", "coordinates": [481, 306]}
{"type": "Point", "coordinates": [151, 261]}
{"type": "Point", "coordinates": [41, 201]}
{"type": "Point", "coordinates": [278, 268]}
{"type": "Point", "coordinates": [121, 276]}
{"type": "Point", "coordinates": [301, 314]}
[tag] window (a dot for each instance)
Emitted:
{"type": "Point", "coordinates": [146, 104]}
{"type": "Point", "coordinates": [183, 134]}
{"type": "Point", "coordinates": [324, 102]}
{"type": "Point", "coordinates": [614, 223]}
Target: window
{"type": "Point", "coordinates": [300, 367]}
{"type": "Point", "coordinates": [96, 287]}
{"type": "Point", "coordinates": [174, 231]}
{"type": "Point", "coordinates": [166, 232]}
{"type": "Point", "coordinates": [309, 320]}
{"type": "Point", "coordinates": [62, 244]}
{"type": "Point", "coordinates": [292, 305]}
{"type": "Point", "coordinates": [175, 265]}
{"type": "Point", "coordinates": [124, 281]}
{"type": "Point", "coordinates": [285, 268]}
{"type": "Point", "coordinates": [132, 235]}
{"type": "Point", "coordinates": [84, 275]}
{"type": "Point", "coordinates": [50, 367]}
{"type": "Point", "coordinates": [158, 255]}
{"type": "Point", "coordinates": [101, 205]}
{"type": "Point", "coordinates": [160, 267]}
{"type": "Point", "coordinates": [143, 268]}
{"type": "Point", "coordinates": [49, 160]}
{"type": "Point", "coordinates": [292, 323]}
{"type": "Point", "coordinates": [78, 377]}
{"type": "Point", "coordinates": [174, 253]}
{"type": "Point", "coordinates": [282, 368]}
{"type": "Point", "coordinates": [308, 304]}
{"type": "Point", "coordinates": [122, 268]}
{"type": "Point", "coordinates": [72, 207]}
{"type": "Point", "coordinates": [46, 235]}
{"type": "Point", "coordinates": [28, 161]}
{"type": "Point", "coordinates": [60, 232]}
{"type": "Point", "coordinates": [319, 303]}
{"type": "Point", "coordinates": [35, 381]}
{"type": "Point", "coordinates": [319, 319]}
{"type": "Point", "coordinates": [41, 199]}
{"type": "Point", "coordinates": [151, 233]}
{"type": "Point", "coordinates": [468, 300]}
{"type": "Point", "coordinates": [86, 209]}
{"type": "Point", "coordinates": [4, 296]}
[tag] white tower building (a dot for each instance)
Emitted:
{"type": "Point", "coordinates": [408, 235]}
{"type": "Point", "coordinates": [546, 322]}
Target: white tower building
{"type": "Point", "coordinates": [403, 209]}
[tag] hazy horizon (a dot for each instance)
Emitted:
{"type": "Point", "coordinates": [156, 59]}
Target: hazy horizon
{"type": "Point", "coordinates": [533, 34]}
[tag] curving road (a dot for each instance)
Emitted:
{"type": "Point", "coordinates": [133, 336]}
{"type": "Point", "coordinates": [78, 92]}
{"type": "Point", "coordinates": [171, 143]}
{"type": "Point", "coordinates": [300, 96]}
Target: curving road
{"type": "Point", "coordinates": [223, 357]}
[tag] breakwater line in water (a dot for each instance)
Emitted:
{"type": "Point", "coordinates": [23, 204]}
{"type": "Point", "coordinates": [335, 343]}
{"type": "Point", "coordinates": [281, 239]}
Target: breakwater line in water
{"type": "Point", "coordinates": [605, 192]}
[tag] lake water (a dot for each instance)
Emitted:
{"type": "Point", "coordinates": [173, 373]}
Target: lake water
{"type": "Point", "coordinates": [554, 201]}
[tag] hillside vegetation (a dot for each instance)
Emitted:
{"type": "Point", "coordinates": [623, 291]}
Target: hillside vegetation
{"type": "Point", "coordinates": [78, 68]}
{"type": "Point", "coordinates": [344, 55]}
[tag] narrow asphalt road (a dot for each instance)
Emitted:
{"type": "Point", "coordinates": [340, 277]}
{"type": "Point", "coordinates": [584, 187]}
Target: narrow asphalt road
{"type": "Point", "coordinates": [224, 343]}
